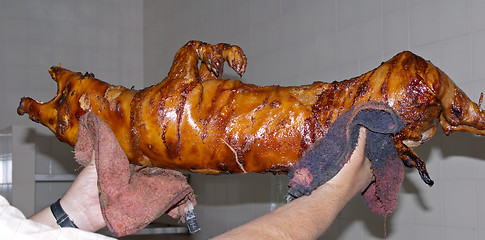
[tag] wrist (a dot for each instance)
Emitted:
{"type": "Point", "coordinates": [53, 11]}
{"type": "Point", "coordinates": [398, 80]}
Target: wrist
{"type": "Point", "coordinates": [80, 215]}
{"type": "Point", "coordinates": [341, 192]}
{"type": "Point", "coordinates": [62, 218]}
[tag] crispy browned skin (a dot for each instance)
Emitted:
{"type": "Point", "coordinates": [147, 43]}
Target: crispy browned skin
{"type": "Point", "coordinates": [193, 120]}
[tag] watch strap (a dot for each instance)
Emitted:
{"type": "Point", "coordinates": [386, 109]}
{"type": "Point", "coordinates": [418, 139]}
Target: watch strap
{"type": "Point", "coordinates": [61, 216]}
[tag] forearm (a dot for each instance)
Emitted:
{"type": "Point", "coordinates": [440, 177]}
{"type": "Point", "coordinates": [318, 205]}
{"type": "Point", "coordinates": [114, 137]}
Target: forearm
{"type": "Point", "coordinates": [304, 218]}
{"type": "Point", "coordinates": [308, 217]}
{"type": "Point", "coordinates": [45, 217]}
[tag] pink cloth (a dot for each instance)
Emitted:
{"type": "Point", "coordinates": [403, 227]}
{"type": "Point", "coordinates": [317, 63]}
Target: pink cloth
{"type": "Point", "coordinates": [130, 196]}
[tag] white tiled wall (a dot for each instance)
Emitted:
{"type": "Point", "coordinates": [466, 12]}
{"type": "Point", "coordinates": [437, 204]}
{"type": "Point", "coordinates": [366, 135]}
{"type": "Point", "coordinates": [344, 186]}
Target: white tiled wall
{"type": "Point", "coordinates": [297, 42]}
{"type": "Point", "coordinates": [102, 37]}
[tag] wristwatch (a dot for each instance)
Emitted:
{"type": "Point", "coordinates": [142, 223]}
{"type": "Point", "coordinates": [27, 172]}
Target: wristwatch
{"type": "Point", "coordinates": [61, 216]}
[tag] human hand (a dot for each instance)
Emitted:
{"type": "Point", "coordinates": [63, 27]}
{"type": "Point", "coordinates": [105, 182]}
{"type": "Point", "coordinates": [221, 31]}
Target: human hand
{"type": "Point", "coordinates": [356, 175]}
{"type": "Point", "coordinates": [81, 201]}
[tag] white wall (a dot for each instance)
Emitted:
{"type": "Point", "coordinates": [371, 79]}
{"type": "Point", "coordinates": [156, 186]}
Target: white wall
{"type": "Point", "coordinates": [297, 42]}
{"type": "Point", "coordinates": [102, 37]}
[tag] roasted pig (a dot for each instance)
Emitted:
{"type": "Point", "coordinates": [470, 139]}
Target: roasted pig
{"type": "Point", "coordinates": [194, 120]}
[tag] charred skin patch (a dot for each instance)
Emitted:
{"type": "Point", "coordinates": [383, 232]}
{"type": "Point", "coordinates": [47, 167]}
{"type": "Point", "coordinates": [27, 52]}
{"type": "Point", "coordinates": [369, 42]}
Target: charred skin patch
{"type": "Point", "coordinates": [456, 112]}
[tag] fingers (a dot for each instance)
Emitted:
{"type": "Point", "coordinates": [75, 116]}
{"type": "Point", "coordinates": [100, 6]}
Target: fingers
{"type": "Point", "coordinates": [356, 175]}
{"type": "Point", "coordinates": [358, 155]}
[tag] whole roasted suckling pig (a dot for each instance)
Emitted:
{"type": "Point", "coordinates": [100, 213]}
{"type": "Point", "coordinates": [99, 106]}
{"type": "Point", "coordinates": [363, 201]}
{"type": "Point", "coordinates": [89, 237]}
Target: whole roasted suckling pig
{"type": "Point", "coordinates": [196, 121]}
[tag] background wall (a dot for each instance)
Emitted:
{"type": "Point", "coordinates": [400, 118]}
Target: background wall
{"type": "Point", "coordinates": [297, 42]}
{"type": "Point", "coordinates": [102, 37]}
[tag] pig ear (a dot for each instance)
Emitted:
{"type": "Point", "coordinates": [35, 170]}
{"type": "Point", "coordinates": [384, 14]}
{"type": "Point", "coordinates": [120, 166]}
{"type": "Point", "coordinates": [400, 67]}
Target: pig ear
{"type": "Point", "coordinates": [480, 101]}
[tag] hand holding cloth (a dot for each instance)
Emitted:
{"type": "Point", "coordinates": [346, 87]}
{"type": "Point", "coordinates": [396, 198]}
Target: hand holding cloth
{"type": "Point", "coordinates": [130, 196]}
{"type": "Point", "coordinates": [324, 159]}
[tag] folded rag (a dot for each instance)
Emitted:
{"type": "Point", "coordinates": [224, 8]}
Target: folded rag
{"type": "Point", "coordinates": [324, 159]}
{"type": "Point", "coordinates": [130, 196]}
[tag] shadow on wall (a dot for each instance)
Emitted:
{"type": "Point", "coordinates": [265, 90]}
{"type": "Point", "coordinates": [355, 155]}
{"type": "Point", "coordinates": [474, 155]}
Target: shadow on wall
{"type": "Point", "coordinates": [463, 144]}
{"type": "Point", "coordinates": [456, 144]}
